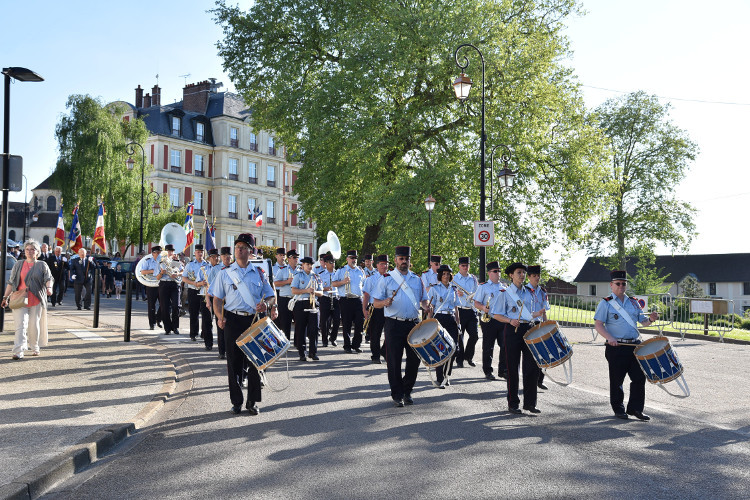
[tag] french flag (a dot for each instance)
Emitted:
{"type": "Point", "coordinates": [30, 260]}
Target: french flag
{"type": "Point", "coordinates": [60, 232]}
{"type": "Point", "coordinates": [99, 239]}
{"type": "Point", "coordinates": [75, 241]}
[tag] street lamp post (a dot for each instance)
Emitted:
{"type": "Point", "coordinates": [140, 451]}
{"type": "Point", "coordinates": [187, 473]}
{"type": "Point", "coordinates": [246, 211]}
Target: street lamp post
{"type": "Point", "coordinates": [131, 151]}
{"type": "Point", "coordinates": [25, 206]}
{"type": "Point", "coordinates": [22, 75]}
{"type": "Point", "coordinates": [506, 175]}
{"type": "Point", "coordinates": [462, 86]}
{"type": "Point", "coordinates": [429, 204]}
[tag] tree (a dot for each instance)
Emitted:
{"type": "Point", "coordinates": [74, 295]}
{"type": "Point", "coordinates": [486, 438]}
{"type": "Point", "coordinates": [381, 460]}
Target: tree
{"type": "Point", "coordinates": [649, 156]}
{"type": "Point", "coordinates": [360, 92]}
{"type": "Point", "coordinates": [691, 287]}
{"type": "Point", "coordinates": [647, 279]}
{"type": "Point", "coordinates": [92, 166]}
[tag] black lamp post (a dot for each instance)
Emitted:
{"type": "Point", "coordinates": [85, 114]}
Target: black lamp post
{"type": "Point", "coordinates": [462, 87]}
{"type": "Point", "coordinates": [505, 176]}
{"type": "Point", "coordinates": [429, 204]}
{"type": "Point", "coordinates": [22, 75]}
{"type": "Point", "coordinates": [131, 151]}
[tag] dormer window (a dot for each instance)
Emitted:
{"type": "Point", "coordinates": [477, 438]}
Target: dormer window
{"type": "Point", "coordinates": [176, 126]}
{"type": "Point", "coordinates": [200, 131]}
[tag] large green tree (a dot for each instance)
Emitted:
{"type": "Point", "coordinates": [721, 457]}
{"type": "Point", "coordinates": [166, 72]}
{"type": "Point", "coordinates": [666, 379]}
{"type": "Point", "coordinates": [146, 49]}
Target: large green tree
{"type": "Point", "coordinates": [649, 156]}
{"type": "Point", "coordinates": [92, 165]}
{"type": "Point", "coordinates": [360, 92]}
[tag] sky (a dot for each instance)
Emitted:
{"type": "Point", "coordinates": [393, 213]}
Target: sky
{"type": "Point", "coordinates": [689, 55]}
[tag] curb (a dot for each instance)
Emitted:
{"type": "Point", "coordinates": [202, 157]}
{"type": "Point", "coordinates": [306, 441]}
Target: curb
{"type": "Point", "coordinates": [41, 479]}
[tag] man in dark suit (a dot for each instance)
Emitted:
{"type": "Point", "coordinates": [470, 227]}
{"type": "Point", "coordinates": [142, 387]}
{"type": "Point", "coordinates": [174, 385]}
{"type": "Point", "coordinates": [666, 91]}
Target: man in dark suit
{"type": "Point", "coordinates": [58, 264]}
{"type": "Point", "coordinates": [82, 274]}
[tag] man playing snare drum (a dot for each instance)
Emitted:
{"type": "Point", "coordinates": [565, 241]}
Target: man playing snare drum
{"type": "Point", "coordinates": [616, 320]}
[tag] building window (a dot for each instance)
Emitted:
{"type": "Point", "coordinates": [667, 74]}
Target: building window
{"type": "Point", "coordinates": [11, 235]}
{"type": "Point", "coordinates": [271, 146]}
{"type": "Point", "coordinates": [253, 142]}
{"type": "Point", "coordinates": [286, 181]}
{"type": "Point", "coordinates": [746, 288]}
{"type": "Point", "coordinates": [592, 289]}
{"type": "Point", "coordinates": [271, 242]}
{"type": "Point", "coordinates": [271, 172]}
{"type": "Point", "coordinates": [198, 203]}
{"type": "Point", "coordinates": [199, 165]}
{"type": "Point", "coordinates": [252, 173]}
{"type": "Point", "coordinates": [286, 214]}
{"type": "Point", "coordinates": [52, 204]}
{"type": "Point", "coordinates": [232, 206]}
{"type": "Point", "coordinates": [233, 137]}
{"type": "Point", "coordinates": [45, 239]}
{"type": "Point", "coordinates": [230, 242]}
{"type": "Point", "coordinates": [200, 131]}
{"type": "Point", "coordinates": [176, 126]}
{"type": "Point", "coordinates": [175, 160]}
{"type": "Point", "coordinates": [233, 169]}
{"type": "Point", "coordinates": [270, 212]}
{"type": "Point", "coordinates": [712, 288]}
{"type": "Point", "coordinates": [302, 221]}
{"type": "Point", "coordinates": [174, 197]}
{"type": "Point", "coordinates": [251, 204]}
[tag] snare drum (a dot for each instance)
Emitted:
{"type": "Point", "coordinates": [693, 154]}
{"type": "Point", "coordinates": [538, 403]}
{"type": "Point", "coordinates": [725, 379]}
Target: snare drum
{"type": "Point", "coordinates": [548, 344]}
{"type": "Point", "coordinates": [432, 343]}
{"type": "Point", "coordinates": [263, 343]}
{"type": "Point", "coordinates": [658, 360]}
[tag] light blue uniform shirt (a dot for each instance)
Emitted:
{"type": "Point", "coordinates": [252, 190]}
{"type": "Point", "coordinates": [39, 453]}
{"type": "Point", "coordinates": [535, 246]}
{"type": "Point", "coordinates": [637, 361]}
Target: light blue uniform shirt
{"type": "Point", "coordinates": [402, 306]}
{"type": "Point", "coordinates": [149, 264]}
{"type": "Point", "coordinates": [212, 274]}
{"type": "Point", "coordinates": [540, 298]}
{"type": "Point", "coordinates": [282, 275]}
{"type": "Point", "coordinates": [370, 272]}
{"type": "Point", "coordinates": [371, 285]}
{"type": "Point", "coordinates": [468, 283]}
{"type": "Point", "coordinates": [443, 298]}
{"type": "Point", "coordinates": [303, 280]}
{"type": "Point", "coordinates": [617, 326]}
{"type": "Point", "coordinates": [195, 267]}
{"type": "Point", "coordinates": [357, 277]}
{"type": "Point", "coordinates": [326, 278]}
{"type": "Point", "coordinates": [429, 278]}
{"type": "Point", "coordinates": [506, 306]}
{"type": "Point", "coordinates": [223, 287]}
{"type": "Point", "coordinates": [491, 291]}
{"type": "Point", "coordinates": [276, 267]}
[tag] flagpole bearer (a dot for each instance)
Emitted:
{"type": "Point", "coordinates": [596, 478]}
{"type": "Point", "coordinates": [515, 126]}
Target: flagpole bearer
{"type": "Point", "coordinates": [101, 242]}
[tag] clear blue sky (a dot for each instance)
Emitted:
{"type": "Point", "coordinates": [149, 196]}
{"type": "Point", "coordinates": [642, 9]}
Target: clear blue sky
{"type": "Point", "coordinates": [675, 49]}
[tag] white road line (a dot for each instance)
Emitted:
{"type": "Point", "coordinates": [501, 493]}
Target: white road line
{"type": "Point", "coordinates": [85, 334]}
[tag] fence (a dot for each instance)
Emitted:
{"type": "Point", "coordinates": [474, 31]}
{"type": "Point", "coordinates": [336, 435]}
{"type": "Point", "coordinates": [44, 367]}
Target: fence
{"type": "Point", "coordinates": [703, 314]}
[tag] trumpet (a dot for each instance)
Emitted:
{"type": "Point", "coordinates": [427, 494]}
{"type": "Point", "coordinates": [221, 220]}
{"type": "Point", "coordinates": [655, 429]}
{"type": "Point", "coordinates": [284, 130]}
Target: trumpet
{"type": "Point", "coordinates": [469, 296]}
{"type": "Point", "coordinates": [485, 318]}
{"type": "Point", "coordinates": [313, 281]}
{"type": "Point", "coordinates": [370, 310]}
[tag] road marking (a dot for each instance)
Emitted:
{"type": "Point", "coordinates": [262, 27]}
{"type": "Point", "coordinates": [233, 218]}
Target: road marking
{"type": "Point", "coordinates": [85, 334]}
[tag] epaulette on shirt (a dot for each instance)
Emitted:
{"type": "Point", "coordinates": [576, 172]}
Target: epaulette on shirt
{"type": "Point", "coordinates": [543, 288]}
{"type": "Point", "coordinates": [608, 298]}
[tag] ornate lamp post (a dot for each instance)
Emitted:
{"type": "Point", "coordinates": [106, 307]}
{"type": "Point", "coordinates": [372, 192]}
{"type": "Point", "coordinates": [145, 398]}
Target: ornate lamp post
{"type": "Point", "coordinates": [505, 176]}
{"type": "Point", "coordinates": [429, 204]}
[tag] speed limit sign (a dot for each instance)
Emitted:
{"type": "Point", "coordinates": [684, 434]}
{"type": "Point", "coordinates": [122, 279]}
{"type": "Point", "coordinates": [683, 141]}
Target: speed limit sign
{"type": "Point", "coordinates": [484, 233]}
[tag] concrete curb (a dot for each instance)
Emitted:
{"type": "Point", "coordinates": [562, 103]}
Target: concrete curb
{"type": "Point", "coordinates": [41, 479]}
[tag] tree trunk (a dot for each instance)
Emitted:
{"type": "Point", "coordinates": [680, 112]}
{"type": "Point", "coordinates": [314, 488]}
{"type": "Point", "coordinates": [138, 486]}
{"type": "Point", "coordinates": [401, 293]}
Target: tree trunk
{"type": "Point", "coordinates": [372, 233]}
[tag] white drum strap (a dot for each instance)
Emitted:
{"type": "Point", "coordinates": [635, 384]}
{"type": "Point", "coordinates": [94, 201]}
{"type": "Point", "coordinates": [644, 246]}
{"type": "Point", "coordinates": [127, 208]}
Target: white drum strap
{"type": "Point", "coordinates": [525, 314]}
{"type": "Point", "coordinates": [243, 289]}
{"type": "Point", "coordinates": [617, 307]}
{"type": "Point", "coordinates": [401, 282]}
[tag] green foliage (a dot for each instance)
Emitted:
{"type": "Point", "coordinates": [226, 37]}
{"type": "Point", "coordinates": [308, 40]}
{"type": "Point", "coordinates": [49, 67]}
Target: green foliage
{"type": "Point", "coordinates": [690, 287]}
{"type": "Point", "coordinates": [269, 252]}
{"type": "Point", "coordinates": [360, 92]}
{"type": "Point", "coordinates": [649, 156]}
{"type": "Point", "coordinates": [647, 279]}
{"type": "Point", "coordinates": [92, 140]}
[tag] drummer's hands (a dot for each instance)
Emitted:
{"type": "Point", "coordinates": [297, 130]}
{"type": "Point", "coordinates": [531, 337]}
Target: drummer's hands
{"type": "Point", "coordinates": [389, 302]}
{"type": "Point", "coordinates": [262, 307]}
{"type": "Point", "coordinates": [653, 316]}
{"type": "Point", "coordinates": [514, 323]}
{"type": "Point", "coordinates": [274, 313]}
{"type": "Point", "coordinates": [612, 342]}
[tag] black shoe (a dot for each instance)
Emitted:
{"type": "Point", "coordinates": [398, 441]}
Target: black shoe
{"type": "Point", "coordinates": [471, 363]}
{"type": "Point", "coordinates": [639, 415]}
{"type": "Point", "coordinates": [325, 345]}
{"type": "Point", "coordinates": [408, 400]}
{"type": "Point", "coordinates": [176, 331]}
{"type": "Point", "coordinates": [398, 403]}
{"type": "Point", "coordinates": [222, 356]}
{"type": "Point", "coordinates": [333, 343]}
{"type": "Point", "coordinates": [79, 308]}
{"type": "Point", "coordinates": [315, 357]}
{"type": "Point", "coordinates": [490, 376]}
{"type": "Point", "coordinates": [209, 347]}
{"type": "Point", "coordinates": [376, 361]}
{"type": "Point", "coordinates": [151, 327]}
{"type": "Point", "coordinates": [252, 408]}
{"type": "Point", "coordinates": [621, 415]}
{"type": "Point", "coordinates": [347, 350]}
{"type": "Point", "coordinates": [503, 375]}
{"type": "Point", "coordinates": [167, 332]}
{"type": "Point", "coordinates": [542, 386]}
{"type": "Point", "coordinates": [459, 365]}
{"type": "Point", "coordinates": [158, 323]}
{"type": "Point", "coordinates": [193, 339]}
{"type": "Point", "coordinates": [367, 339]}
{"type": "Point", "coordinates": [532, 409]}
{"type": "Point", "coordinates": [236, 410]}
{"type": "Point", "coordinates": [357, 350]}
{"type": "Point", "coordinates": [88, 308]}
{"type": "Point", "coordinates": [516, 411]}
{"type": "Point", "coordinates": [302, 358]}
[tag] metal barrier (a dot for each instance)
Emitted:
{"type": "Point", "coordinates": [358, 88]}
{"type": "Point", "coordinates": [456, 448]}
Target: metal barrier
{"type": "Point", "coordinates": [703, 314]}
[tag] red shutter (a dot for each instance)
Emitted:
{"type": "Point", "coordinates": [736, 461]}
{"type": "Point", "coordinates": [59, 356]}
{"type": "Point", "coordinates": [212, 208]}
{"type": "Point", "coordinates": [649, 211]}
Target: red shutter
{"type": "Point", "coordinates": [188, 195]}
{"type": "Point", "coordinates": [165, 188]}
{"type": "Point", "coordinates": [152, 154]}
{"type": "Point", "coordinates": [210, 166]}
{"type": "Point", "coordinates": [294, 214]}
{"type": "Point", "coordinates": [126, 118]}
{"type": "Point", "coordinates": [166, 157]}
{"type": "Point", "coordinates": [293, 245]}
{"type": "Point", "coordinates": [188, 161]}
{"type": "Point", "coordinates": [294, 178]}
{"type": "Point", "coordinates": [208, 207]}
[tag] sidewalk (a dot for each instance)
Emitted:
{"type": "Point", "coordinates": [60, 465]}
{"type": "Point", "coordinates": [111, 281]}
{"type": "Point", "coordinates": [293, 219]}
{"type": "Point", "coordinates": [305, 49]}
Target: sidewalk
{"type": "Point", "coordinates": [85, 393]}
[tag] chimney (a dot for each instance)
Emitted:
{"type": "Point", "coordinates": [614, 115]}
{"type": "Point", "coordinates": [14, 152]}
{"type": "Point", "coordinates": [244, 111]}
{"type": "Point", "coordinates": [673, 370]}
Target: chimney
{"type": "Point", "coordinates": [156, 95]}
{"type": "Point", "coordinates": [147, 101]}
{"type": "Point", "coordinates": [195, 97]}
{"type": "Point", "coordinates": [139, 97]}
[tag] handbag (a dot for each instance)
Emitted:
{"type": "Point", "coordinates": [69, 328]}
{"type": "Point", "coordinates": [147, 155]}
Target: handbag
{"type": "Point", "coordinates": [18, 299]}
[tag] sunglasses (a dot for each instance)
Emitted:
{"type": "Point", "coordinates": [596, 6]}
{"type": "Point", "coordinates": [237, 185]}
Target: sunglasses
{"type": "Point", "coordinates": [619, 283]}
{"type": "Point", "coordinates": [494, 271]}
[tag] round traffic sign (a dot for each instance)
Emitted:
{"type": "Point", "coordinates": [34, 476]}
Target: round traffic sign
{"type": "Point", "coordinates": [484, 236]}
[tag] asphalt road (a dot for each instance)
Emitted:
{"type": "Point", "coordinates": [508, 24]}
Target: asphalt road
{"type": "Point", "coordinates": [328, 431]}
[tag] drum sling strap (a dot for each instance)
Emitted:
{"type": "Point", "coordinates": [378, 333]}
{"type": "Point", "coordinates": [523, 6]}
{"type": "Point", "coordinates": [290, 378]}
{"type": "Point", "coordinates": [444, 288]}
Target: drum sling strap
{"type": "Point", "coordinates": [617, 307]}
{"type": "Point", "coordinates": [242, 288]}
{"type": "Point", "coordinates": [401, 282]}
{"type": "Point", "coordinates": [525, 314]}
{"type": "Point", "coordinates": [442, 303]}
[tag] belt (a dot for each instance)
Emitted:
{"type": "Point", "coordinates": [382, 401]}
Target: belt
{"type": "Point", "coordinates": [241, 313]}
{"type": "Point", "coordinates": [411, 320]}
{"type": "Point", "coordinates": [628, 341]}
{"type": "Point", "coordinates": [443, 314]}
{"type": "Point", "coordinates": [469, 308]}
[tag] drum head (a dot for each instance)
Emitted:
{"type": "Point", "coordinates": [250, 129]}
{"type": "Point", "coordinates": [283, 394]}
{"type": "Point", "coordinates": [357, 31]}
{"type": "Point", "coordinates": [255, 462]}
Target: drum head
{"type": "Point", "coordinates": [541, 330]}
{"type": "Point", "coordinates": [652, 346]}
{"type": "Point", "coordinates": [423, 332]}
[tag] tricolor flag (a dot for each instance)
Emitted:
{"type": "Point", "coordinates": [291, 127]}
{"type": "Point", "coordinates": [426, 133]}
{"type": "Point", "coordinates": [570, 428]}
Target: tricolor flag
{"type": "Point", "coordinates": [258, 217]}
{"type": "Point", "coordinates": [210, 235]}
{"type": "Point", "coordinates": [60, 232]}
{"type": "Point", "coordinates": [75, 241]}
{"type": "Point", "coordinates": [99, 239]}
{"type": "Point", "coordinates": [188, 226]}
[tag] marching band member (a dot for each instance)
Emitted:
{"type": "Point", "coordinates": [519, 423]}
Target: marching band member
{"type": "Point", "coordinates": [429, 277]}
{"type": "Point", "coordinates": [444, 300]}
{"type": "Point", "coordinates": [282, 280]}
{"type": "Point", "coordinates": [281, 300]}
{"type": "Point", "coordinates": [539, 303]}
{"type": "Point", "coordinates": [367, 268]}
{"type": "Point", "coordinates": [401, 293]}
{"type": "Point", "coordinates": [319, 266]}
{"type": "Point", "coordinates": [349, 280]}
{"type": "Point", "coordinates": [151, 266]}
{"type": "Point", "coordinates": [169, 292]}
{"type": "Point", "coordinates": [616, 320]}
{"type": "Point", "coordinates": [196, 303]}
{"type": "Point", "coordinates": [376, 318]}
{"type": "Point", "coordinates": [492, 331]}
{"type": "Point", "coordinates": [329, 304]}
{"type": "Point", "coordinates": [240, 291]}
{"type": "Point", "coordinates": [305, 283]}
{"type": "Point", "coordinates": [279, 264]}
{"type": "Point", "coordinates": [467, 314]}
{"type": "Point", "coordinates": [514, 308]}
{"type": "Point", "coordinates": [212, 270]}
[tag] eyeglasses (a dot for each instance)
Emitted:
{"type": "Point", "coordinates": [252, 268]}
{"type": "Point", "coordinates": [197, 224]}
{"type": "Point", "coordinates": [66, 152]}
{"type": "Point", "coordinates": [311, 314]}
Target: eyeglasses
{"type": "Point", "coordinates": [619, 283]}
{"type": "Point", "coordinates": [494, 271]}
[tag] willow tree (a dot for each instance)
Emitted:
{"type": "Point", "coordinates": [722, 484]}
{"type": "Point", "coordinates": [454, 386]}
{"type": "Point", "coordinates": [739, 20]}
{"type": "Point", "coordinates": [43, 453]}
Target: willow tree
{"type": "Point", "coordinates": [92, 166]}
{"type": "Point", "coordinates": [360, 92]}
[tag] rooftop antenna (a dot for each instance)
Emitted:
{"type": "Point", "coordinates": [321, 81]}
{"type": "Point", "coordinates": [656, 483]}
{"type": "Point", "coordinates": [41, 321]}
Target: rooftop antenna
{"type": "Point", "coordinates": [185, 77]}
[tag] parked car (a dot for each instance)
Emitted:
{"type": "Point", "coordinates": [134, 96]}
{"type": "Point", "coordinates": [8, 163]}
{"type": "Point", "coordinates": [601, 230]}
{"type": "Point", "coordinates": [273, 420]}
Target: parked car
{"type": "Point", "coordinates": [10, 261]}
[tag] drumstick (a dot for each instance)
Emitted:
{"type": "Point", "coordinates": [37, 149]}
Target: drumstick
{"type": "Point", "coordinates": [519, 314]}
